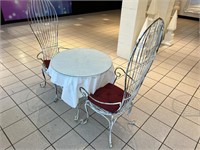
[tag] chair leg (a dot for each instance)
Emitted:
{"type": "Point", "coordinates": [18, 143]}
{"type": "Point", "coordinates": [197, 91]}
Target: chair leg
{"type": "Point", "coordinates": [84, 121]}
{"type": "Point", "coordinates": [77, 112]}
{"type": "Point", "coordinates": [111, 123]}
{"type": "Point", "coordinates": [45, 82]}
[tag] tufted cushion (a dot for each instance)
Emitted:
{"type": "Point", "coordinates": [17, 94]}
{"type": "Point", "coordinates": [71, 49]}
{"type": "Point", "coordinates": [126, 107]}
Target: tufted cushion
{"type": "Point", "coordinates": [109, 94]}
{"type": "Point", "coordinates": [46, 63]}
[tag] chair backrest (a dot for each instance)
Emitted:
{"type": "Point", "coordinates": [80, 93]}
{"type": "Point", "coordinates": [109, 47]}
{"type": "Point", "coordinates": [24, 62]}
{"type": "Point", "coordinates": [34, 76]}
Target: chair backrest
{"type": "Point", "coordinates": [43, 21]}
{"type": "Point", "coordinates": [141, 59]}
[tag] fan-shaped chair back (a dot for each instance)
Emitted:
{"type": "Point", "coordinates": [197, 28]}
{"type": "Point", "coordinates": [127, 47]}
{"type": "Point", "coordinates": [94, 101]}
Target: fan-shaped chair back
{"type": "Point", "coordinates": [43, 21]}
{"type": "Point", "coordinates": [141, 59]}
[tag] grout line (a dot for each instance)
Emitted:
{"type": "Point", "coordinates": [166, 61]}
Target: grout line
{"type": "Point", "coordinates": [7, 138]}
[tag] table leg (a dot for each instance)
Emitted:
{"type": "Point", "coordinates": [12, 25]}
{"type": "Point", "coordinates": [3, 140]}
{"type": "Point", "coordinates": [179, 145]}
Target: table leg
{"type": "Point", "coordinates": [81, 100]}
{"type": "Point", "coordinates": [56, 98]}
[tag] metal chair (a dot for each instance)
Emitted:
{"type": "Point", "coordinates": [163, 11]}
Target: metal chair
{"type": "Point", "coordinates": [43, 20]}
{"type": "Point", "coordinates": [111, 101]}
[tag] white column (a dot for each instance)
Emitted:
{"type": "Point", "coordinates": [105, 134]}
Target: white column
{"type": "Point", "coordinates": [165, 8]}
{"type": "Point", "coordinates": [133, 15]}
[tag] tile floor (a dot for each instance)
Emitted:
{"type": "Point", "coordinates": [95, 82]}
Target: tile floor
{"type": "Point", "coordinates": [166, 110]}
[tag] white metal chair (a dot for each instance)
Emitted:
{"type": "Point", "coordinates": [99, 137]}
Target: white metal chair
{"type": "Point", "coordinates": [111, 101]}
{"type": "Point", "coordinates": [43, 21]}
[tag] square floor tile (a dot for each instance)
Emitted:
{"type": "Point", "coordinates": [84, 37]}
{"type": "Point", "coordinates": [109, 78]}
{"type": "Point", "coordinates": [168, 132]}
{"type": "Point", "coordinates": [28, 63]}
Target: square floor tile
{"type": "Point", "coordinates": [162, 88]}
{"type": "Point", "coordinates": [164, 147]}
{"type": "Point", "coordinates": [14, 88]}
{"type": "Point", "coordinates": [142, 140]}
{"type": "Point", "coordinates": [25, 74]}
{"type": "Point", "coordinates": [100, 119]}
{"type": "Point", "coordinates": [4, 143]}
{"type": "Point", "coordinates": [8, 80]}
{"type": "Point", "coordinates": [32, 105]}
{"type": "Point", "coordinates": [23, 96]}
{"type": "Point", "coordinates": [42, 116]}
{"type": "Point", "coordinates": [127, 148]}
{"type": "Point", "coordinates": [50, 148]}
{"type": "Point", "coordinates": [180, 70]}
{"type": "Point", "coordinates": [70, 141]}
{"type": "Point", "coordinates": [143, 90]}
{"type": "Point", "coordinates": [33, 63]}
{"type": "Point", "coordinates": [166, 116]}
{"type": "Point", "coordinates": [175, 76]}
{"type": "Point", "coordinates": [6, 103]}
{"type": "Point", "coordinates": [155, 96]}
{"type": "Point", "coordinates": [161, 70]}
{"type": "Point", "coordinates": [149, 82]}
{"type": "Point", "coordinates": [156, 129]}
{"type": "Point", "coordinates": [59, 107]}
{"type": "Point", "coordinates": [186, 88]}
{"type": "Point", "coordinates": [10, 148]}
{"type": "Point", "coordinates": [3, 94]}
{"type": "Point", "coordinates": [19, 130]}
{"type": "Point", "coordinates": [10, 116]}
{"type": "Point", "coordinates": [101, 142]}
{"type": "Point", "coordinates": [49, 96]}
{"type": "Point", "coordinates": [191, 82]}
{"type": "Point", "coordinates": [155, 76]}
{"type": "Point", "coordinates": [137, 116]}
{"type": "Point", "coordinates": [123, 129]}
{"type": "Point", "coordinates": [13, 63]}
{"type": "Point", "coordinates": [195, 103]}
{"type": "Point", "coordinates": [90, 130]}
{"type": "Point", "coordinates": [180, 96]}
{"type": "Point", "coordinates": [192, 114]}
{"type": "Point", "coordinates": [197, 94]}
{"type": "Point", "coordinates": [89, 148]}
{"type": "Point", "coordinates": [176, 140]}
{"type": "Point", "coordinates": [5, 73]}
{"type": "Point", "coordinates": [69, 116]}
{"type": "Point", "coordinates": [169, 81]}
{"type": "Point", "coordinates": [32, 81]}
{"type": "Point", "coordinates": [37, 89]}
{"type": "Point", "coordinates": [194, 76]}
{"type": "Point", "coordinates": [55, 129]}
{"type": "Point", "coordinates": [188, 128]}
{"type": "Point", "coordinates": [143, 102]}
{"type": "Point", "coordinates": [33, 141]}
{"type": "Point", "coordinates": [17, 69]}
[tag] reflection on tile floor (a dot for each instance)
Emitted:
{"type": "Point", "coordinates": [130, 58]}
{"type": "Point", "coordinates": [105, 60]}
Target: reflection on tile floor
{"type": "Point", "coordinates": [166, 111]}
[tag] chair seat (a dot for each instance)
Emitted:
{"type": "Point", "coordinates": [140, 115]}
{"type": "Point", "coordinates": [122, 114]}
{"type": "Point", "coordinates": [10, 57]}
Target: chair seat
{"type": "Point", "coordinates": [108, 94]}
{"type": "Point", "coordinates": [46, 63]}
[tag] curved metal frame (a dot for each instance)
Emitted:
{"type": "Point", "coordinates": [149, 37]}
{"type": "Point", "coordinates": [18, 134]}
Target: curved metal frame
{"type": "Point", "coordinates": [139, 64]}
{"type": "Point", "coordinates": [43, 20]}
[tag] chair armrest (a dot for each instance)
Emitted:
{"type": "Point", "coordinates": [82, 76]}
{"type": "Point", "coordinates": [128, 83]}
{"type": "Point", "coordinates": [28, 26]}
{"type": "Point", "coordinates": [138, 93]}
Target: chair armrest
{"type": "Point", "coordinates": [60, 47]}
{"type": "Point", "coordinates": [38, 56]}
{"type": "Point", "coordinates": [86, 94]}
{"type": "Point", "coordinates": [118, 74]}
{"type": "Point", "coordinates": [117, 103]}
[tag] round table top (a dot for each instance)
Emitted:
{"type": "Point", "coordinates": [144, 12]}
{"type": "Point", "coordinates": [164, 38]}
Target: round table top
{"type": "Point", "coordinates": [81, 62]}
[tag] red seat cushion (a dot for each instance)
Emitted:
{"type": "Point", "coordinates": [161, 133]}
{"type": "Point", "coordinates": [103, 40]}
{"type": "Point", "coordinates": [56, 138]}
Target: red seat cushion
{"type": "Point", "coordinates": [46, 63]}
{"type": "Point", "coordinates": [109, 94]}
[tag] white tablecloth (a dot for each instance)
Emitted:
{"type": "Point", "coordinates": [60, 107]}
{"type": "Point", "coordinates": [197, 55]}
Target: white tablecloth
{"type": "Point", "coordinates": [71, 83]}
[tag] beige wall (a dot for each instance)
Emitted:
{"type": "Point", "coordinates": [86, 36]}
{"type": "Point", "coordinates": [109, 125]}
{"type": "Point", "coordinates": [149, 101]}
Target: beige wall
{"type": "Point", "coordinates": [182, 10]}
